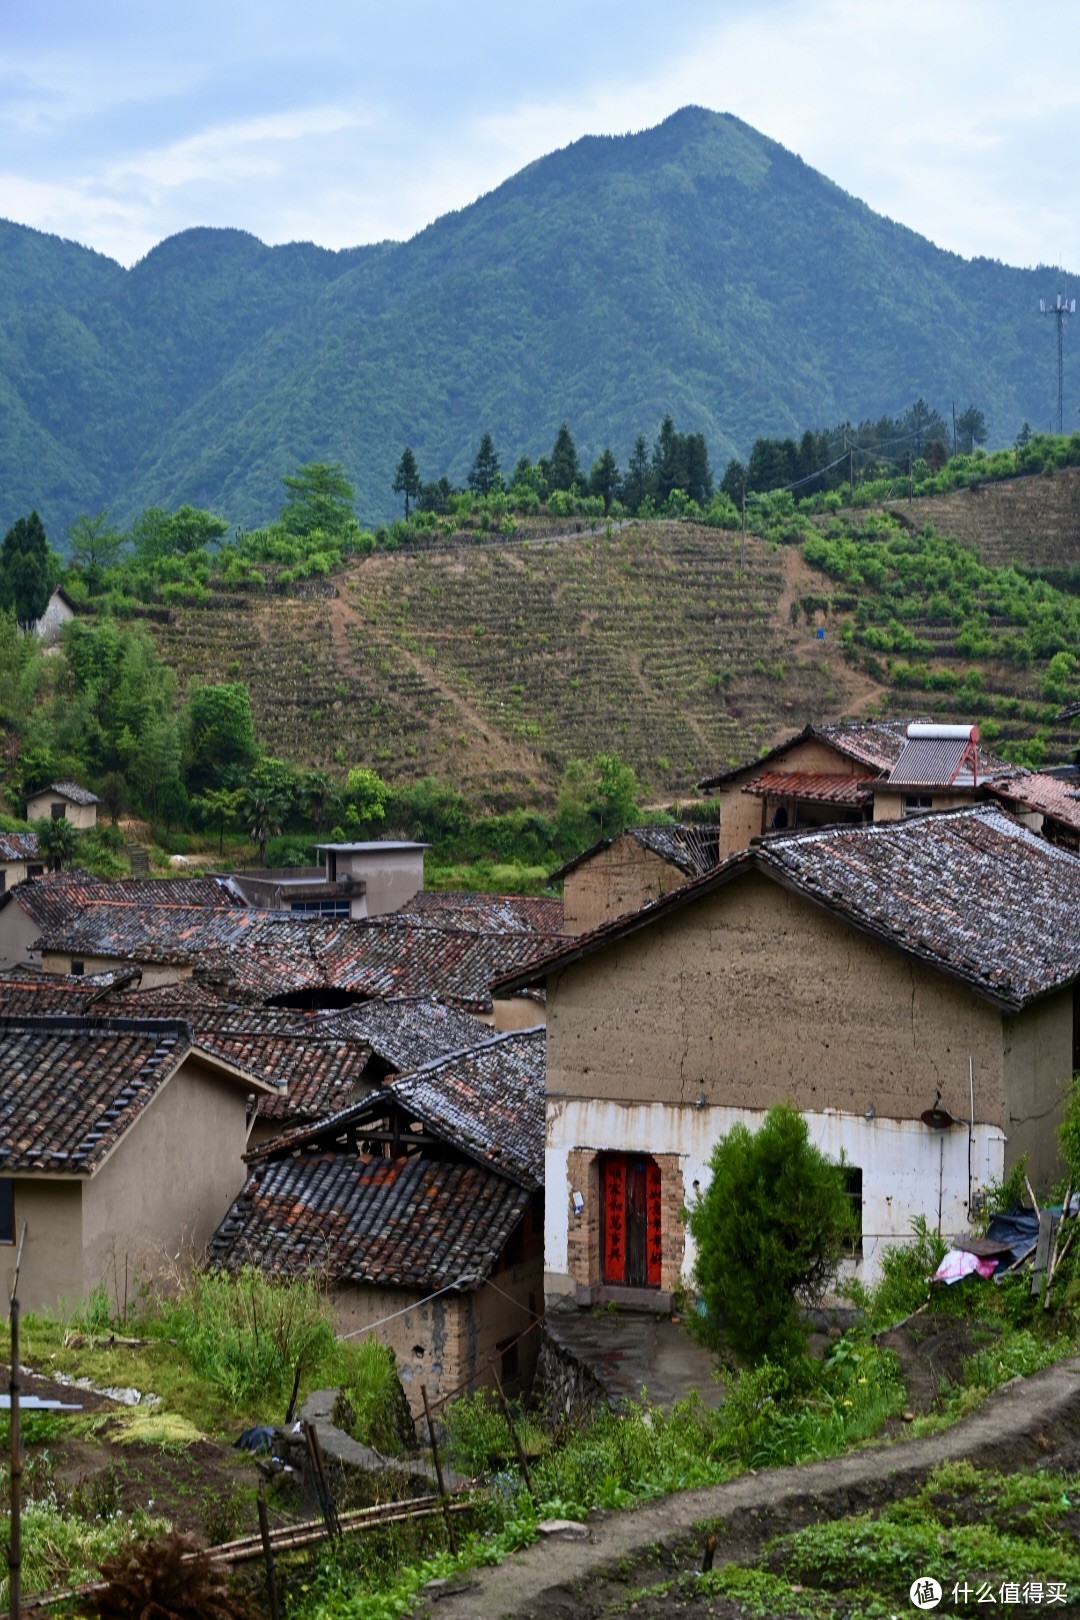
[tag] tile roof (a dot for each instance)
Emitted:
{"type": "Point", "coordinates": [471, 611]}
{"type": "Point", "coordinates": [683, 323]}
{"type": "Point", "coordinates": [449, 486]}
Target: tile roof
{"type": "Point", "coordinates": [72, 791]}
{"type": "Point", "coordinates": [70, 1088]}
{"type": "Point", "coordinates": [1037, 790]}
{"type": "Point", "coordinates": [405, 1033]}
{"type": "Point", "coordinates": [406, 1223]}
{"type": "Point", "coordinates": [693, 848]}
{"type": "Point", "coordinates": [19, 847]}
{"type": "Point", "coordinates": [320, 1071]}
{"type": "Point", "coordinates": [506, 913]}
{"type": "Point", "coordinates": [875, 744]}
{"type": "Point", "coordinates": [57, 898]}
{"type": "Point", "coordinates": [253, 954]}
{"type": "Point", "coordinates": [968, 892]}
{"type": "Point", "coordinates": [486, 1102]}
{"type": "Point", "coordinates": [819, 787]}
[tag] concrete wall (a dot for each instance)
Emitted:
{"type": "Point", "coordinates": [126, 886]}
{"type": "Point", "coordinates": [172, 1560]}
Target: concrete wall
{"type": "Point", "coordinates": [741, 814]}
{"type": "Point", "coordinates": [153, 973]}
{"type": "Point", "coordinates": [1038, 1068]}
{"type": "Point", "coordinates": [517, 1012]}
{"type": "Point", "coordinates": [52, 1258]}
{"type": "Point", "coordinates": [392, 876]}
{"type": "Point", "coordinates": [39, 808]}
{"type": "Point", "coordinates": [444, 1342]}
{"type": "Point", "coordinates": [624, 877]}
{"type": "Point", "coordinates": [907, 1169]}
{"type": "Point", "coordinates": [18, 932]}
{"type": "Point", "coordinates": [889, 803]}
{"type": "Point", "coordinates": [169, 1183]}
{"type": "Point", "coordinates": [750, 996]}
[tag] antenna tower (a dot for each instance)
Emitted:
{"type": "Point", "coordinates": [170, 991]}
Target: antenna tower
{"type": "Point", "coordinates": [1059, 309]}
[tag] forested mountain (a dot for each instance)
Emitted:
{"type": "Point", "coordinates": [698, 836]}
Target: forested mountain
{"type": "Point", "coordinates": [696, 268]}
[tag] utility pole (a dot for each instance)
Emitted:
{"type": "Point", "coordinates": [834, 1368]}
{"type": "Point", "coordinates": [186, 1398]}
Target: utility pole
{"type": "Point", "coordinates": [1059, 309]}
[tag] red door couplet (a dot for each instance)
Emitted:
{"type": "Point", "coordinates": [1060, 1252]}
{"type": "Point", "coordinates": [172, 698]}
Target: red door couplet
{"type": "Point", "coordinates": [632, 1228]}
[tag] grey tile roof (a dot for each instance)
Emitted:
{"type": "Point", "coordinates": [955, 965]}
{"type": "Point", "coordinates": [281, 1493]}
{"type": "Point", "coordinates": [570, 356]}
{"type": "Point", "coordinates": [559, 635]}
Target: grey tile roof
{"type": "Point", "coordinates": [692, 849]}
{"type": "Point", "coordinates": [70, 1088]}
{"type": "Point", "coordinates": [968, 892]}
{"type": "Point", "coordinates": [405, 1223]}
{"type": "Point", "coordinates": [250, 954]}
{"type": "Point", "coordinates": [486, 1102]}
{"type": "Point", "coordinates": [406, 1033]}
{"type": "Point", "coordinates": [494, 913]}
{"type": "Point", "coordinates": [19, 847]}
{"type": "Point", "coordinates": [72, 791]}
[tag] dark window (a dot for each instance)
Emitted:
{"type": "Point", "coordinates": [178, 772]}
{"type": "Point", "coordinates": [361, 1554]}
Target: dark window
{"type": "Point", "coordinates": [3, 881]}
{"type": "Point", "coordinates": [853, 1181]}
{"type": "Point", "coordinates": [7, 1210]}
{"type": "Point", "coordinates": [917, 804]}
{"type": "Point", "coordinates": [34, 871]}
{"type": "Point", "coordinates": [78, 967]}
{"type": "Point", "coordinates": [58, 812]}
{"type": "Point", "coordinates": [509, 1367]}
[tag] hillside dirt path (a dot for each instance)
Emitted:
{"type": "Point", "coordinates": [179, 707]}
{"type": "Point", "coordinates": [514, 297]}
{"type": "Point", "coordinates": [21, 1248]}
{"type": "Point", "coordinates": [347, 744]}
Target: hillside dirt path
{"type": "Point", "coordinates": [856, 690]}
{"type": "Point", "coordinates": [503, 756]}
{"type": "Point", "coordinates": [1020, 1426]}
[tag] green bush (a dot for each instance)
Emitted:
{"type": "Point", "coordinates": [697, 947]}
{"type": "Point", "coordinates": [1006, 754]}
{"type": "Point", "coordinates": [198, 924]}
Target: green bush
{"type": "Point", "coordinates": [770, 1230]}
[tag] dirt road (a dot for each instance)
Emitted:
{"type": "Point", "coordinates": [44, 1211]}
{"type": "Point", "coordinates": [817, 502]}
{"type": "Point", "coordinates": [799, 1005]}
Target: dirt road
{"type": "Point", "coordinates": [1022, 1424]}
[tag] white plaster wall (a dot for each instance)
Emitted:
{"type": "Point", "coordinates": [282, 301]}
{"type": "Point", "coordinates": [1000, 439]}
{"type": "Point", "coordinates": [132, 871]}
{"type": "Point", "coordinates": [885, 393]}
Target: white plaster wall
{"type": "Point", "coordinates": [907, 1168]}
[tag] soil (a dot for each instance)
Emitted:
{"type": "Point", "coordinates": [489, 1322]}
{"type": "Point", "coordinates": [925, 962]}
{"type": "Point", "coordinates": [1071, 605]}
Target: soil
{"type": "Point", "coordinates": [626, 1561]}
{"type": "Point", "coordinates": [932, 1350]}
{"type": "Point", "coordinates": [204, 1487]}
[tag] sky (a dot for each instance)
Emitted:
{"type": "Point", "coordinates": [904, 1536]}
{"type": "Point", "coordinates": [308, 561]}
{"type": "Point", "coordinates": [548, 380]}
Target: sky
{"type": "Point", "coordinates": [344, 122]}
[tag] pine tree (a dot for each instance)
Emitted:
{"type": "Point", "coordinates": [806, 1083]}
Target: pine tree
{"type": "Point", "coordinates": [565, 470]}
{"type": "Point", "coordinates": [604, 478]}
{"type": "Point", "coordinates": [407, 478]}
{"type": "Point", "coordinates": [27, 569]}
{"type": "Point", "coordinates": [638, 484]}
{"type": "Point", "coordinates": [484, 473]}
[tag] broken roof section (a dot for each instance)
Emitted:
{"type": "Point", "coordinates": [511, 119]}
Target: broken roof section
{"type": "Point", "coordinates": [1052, 796]}
{"type": "Point", "coordinates": [406, 1033]}
{"type": "Point", "coordinates": [70, 1088]}
{"type": "Point", "coordinates": [968, 892]}
{"type": "Point", "coordinates": [486, 1102]}
{"type": "Point", "coordinates": [406, 1223]}
{"type": "Point", "coordinates": [692, 848]}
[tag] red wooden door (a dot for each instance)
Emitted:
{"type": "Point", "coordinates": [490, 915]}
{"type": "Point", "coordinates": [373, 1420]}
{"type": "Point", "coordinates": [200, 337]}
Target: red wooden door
{"type": "Point", "coordinates": [631, 1227]}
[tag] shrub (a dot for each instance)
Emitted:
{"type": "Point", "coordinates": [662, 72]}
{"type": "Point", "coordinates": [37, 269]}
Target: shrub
{"type": "Point", "coordinates": [770, 1230]}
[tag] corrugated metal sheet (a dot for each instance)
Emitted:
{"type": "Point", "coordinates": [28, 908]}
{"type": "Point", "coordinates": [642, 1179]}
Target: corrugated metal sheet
{"type": "Point", "coordinates": [934, 762]}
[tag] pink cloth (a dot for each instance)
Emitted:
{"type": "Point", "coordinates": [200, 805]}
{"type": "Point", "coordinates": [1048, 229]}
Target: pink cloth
{"type": "Point", "coordinates": [959, 1263]}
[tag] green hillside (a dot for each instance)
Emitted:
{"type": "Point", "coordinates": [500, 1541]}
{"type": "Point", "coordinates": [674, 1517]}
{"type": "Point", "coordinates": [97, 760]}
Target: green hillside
{"type": "Point", "coordinates": [697, 268]}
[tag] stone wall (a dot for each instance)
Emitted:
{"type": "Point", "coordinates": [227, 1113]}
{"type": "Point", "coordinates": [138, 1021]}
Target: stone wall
{"type": "Point", "coordinates": [565, 1391]}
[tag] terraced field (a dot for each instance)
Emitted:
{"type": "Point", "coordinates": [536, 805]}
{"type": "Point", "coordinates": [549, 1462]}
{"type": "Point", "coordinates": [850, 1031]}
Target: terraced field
{"type": "Point", "coordinates": [492, 665]}
{"type": "Point", "coordinates": [1033, 521]}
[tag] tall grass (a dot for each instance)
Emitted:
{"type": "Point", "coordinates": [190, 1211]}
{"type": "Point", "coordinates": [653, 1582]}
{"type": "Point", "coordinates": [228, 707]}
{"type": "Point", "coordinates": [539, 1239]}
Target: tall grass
{"type": "Point", "coordinates": [246, 1334]}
